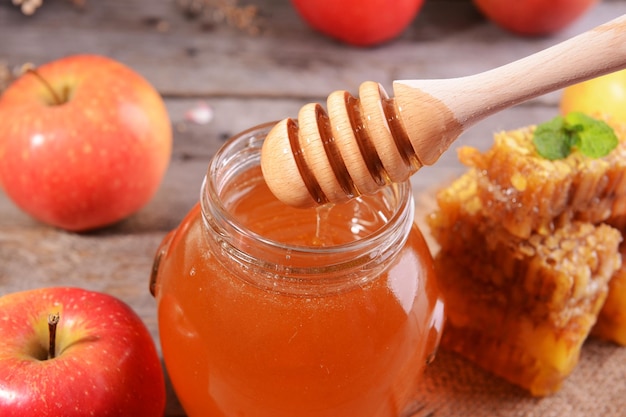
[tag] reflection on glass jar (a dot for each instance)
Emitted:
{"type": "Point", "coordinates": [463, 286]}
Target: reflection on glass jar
{"type": "Point", "coordinates": [270, 311]}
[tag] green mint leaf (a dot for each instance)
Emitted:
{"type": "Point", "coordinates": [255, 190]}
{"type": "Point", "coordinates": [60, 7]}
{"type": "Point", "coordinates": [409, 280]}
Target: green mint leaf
{"type": "Point", "coordinates": [594, 138]}
{"type": "Point", "coordinates": [557, 138]}
{"type": "Point", "coordinates": [552, 140]}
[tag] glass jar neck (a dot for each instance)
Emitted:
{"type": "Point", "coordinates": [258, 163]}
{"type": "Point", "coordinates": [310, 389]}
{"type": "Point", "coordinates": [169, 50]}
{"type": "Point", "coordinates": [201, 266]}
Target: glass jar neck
{"type": "Point", "coordinates": [285, 266]}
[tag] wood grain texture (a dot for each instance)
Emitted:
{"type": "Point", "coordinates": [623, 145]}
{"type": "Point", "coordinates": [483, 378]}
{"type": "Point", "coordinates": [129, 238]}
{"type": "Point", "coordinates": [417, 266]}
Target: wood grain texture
{"type": "Point", "coordinates": [250, 80]}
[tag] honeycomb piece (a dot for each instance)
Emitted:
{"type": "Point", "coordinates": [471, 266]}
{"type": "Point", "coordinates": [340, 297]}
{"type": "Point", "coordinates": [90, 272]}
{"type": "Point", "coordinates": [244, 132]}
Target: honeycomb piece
{"type": "Point", "coordinates": [611, 323]}
{"type": "Point", "coordinates": [519, 307]}
{"type": "Point", "coordinates": [527, 193]}
{"type": "Point", "coordinates": [524, 310]}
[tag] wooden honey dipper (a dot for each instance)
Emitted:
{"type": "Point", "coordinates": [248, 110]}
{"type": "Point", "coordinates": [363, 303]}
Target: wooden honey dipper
{"type": "Point", "coordinates": [364, 144]}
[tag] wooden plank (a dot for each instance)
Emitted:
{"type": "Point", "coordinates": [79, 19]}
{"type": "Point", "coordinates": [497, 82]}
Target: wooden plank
{"type": "Point", "coordinates": [195, 144]}
{"type": "Point", "coordinates": [247, 81]}
{"type": "Point", "coordinates": [118, 260]}
{"type": "Point", "coordinates": [448, 39]}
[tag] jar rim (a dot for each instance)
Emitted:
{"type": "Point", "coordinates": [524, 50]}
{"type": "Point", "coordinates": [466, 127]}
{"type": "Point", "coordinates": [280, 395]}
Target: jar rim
{"type": "Point", "coordinates": [402, 194]}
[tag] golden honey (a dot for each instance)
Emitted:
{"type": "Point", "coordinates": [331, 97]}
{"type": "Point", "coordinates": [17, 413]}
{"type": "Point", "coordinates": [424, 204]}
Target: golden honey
{"type": "Point", "coordinates": [271, 311]}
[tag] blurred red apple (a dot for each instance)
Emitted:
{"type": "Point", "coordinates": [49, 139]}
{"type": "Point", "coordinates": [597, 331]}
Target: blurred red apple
{"type": "Point", "coordinates": [84, 142]}
{"type": "Point", "coordinates": [533, 17]}
{"type": "Point", "coordinates": [105, 362]}
{"type": "Point", "coordinates": [359, 22]}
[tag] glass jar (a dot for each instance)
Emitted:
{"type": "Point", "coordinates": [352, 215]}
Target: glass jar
{"type": "Point", "coordinates": [270, 311]}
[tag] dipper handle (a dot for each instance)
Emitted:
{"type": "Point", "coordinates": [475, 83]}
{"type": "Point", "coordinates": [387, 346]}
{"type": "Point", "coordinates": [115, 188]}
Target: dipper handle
{"type": "Point", "coordinates": [365, 143]}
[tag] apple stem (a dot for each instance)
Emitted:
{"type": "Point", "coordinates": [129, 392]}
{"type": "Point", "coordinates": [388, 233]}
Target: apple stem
{"type": "Point", "coordinates": [53, 320]}
{"type": "Point", "coordinates": [55, 97]}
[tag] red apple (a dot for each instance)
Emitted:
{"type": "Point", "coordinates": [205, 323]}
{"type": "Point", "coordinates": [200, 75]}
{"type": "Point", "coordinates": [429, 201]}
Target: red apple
{"type": "Point", "coordinates": [533, 17]}
{"type": "Point", "coordinates": [84, 142]}
{"type": "Point", "coordinates": [106, 363]}
{"type": "Point", "coordinates": [359, 22]}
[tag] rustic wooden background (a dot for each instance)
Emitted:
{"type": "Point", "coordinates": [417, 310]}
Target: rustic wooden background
{"type": "Point", "coordinates": [249, 79]}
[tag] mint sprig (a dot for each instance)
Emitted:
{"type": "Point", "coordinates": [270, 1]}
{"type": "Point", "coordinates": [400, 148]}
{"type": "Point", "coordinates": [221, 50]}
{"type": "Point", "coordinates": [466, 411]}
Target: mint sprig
{"type": "Point", "coordinates": [559, 137]}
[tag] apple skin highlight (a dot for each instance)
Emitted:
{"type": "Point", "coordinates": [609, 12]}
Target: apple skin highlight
{"type": "Point", "coordinates": [361, 23]}
{"type": "Point", "coordinates": [534, 17]}
{"type": "Point", "coordinates": [106, 362]}
{"type": "Point", "coordinates": [92, 160]}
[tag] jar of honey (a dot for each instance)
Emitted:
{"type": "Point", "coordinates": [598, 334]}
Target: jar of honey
{"type": "Point", "coordinates": [266, 310]}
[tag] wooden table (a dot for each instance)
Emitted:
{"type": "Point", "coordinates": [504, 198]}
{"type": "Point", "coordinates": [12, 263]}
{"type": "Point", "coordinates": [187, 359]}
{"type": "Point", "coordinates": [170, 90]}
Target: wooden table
{"type": "Point", "coordinates": [249, 79]}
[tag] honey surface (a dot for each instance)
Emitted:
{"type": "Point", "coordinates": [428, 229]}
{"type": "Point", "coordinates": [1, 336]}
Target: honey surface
{"type": "Point", "coordinates": [236, 349]}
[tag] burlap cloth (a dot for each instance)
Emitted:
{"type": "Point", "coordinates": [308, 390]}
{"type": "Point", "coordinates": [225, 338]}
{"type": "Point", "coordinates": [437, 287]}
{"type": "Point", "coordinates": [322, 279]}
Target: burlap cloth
{"type": "Point", "coordinates": [454, 387]}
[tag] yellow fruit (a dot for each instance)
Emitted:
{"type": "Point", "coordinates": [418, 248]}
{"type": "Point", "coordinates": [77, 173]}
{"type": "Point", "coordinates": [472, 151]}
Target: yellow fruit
{"type": "Point", "coordinates": [603, 95]}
